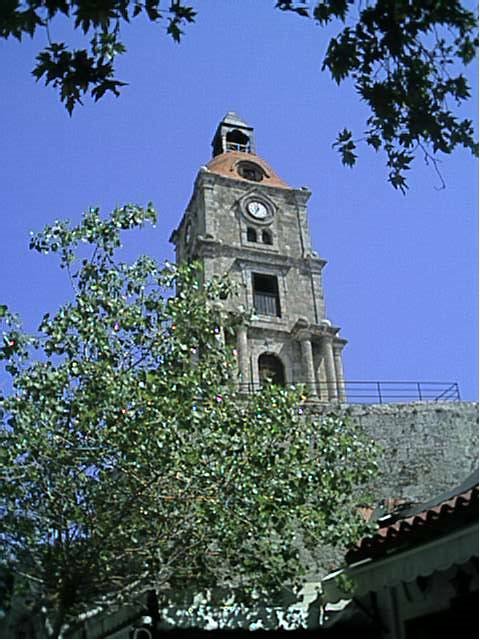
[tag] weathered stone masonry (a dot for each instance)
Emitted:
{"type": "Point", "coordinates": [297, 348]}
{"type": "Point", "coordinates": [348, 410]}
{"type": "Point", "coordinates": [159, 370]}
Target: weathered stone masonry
{"type": "Point", "coordinates": [427, 448]}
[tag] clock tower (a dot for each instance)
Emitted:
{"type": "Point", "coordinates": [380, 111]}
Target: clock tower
{"type": "Point", "coordinates": [246, 221]}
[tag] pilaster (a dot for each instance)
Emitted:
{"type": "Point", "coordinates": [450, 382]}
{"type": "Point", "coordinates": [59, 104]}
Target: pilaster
{"type": "Point", "coordinates": [243, 357]}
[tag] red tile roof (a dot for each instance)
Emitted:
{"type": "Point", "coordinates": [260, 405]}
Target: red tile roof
{"type": "Point", "coordinates": [419, 527]}
{"type": "Point", "coordinates": [225, 164]}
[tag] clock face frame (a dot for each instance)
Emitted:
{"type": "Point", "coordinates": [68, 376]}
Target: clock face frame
{"type": "Point", "coordinates": [258, 210]}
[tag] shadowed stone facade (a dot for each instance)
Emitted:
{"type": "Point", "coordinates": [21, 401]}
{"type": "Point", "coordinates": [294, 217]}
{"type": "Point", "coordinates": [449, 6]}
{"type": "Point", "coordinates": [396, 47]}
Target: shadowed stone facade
{"type": "Point", "coordinates": [244, 220]}
{"type": "Point", "coordinates": [426, 447]}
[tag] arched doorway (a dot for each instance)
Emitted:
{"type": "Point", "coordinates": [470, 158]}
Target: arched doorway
{"type": "Point", "coordinates": [270, 369]}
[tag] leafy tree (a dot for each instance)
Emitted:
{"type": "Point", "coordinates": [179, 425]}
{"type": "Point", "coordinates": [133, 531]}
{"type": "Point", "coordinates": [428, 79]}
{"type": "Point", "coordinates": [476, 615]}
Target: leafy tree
{"type": "Point", "coordinates": [76, 72]}
{"type": "Point", "coordinates": [403, 56]}
{"type": "Point", "coordinates": [129, 459]}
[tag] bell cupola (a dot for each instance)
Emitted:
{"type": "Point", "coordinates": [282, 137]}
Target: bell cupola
{"type": "Point", "coordinates": [233, 134]}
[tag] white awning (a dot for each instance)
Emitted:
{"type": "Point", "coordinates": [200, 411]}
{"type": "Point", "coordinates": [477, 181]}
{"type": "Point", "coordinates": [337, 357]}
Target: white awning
{"type": "Point", "coordinates": [404, 566]}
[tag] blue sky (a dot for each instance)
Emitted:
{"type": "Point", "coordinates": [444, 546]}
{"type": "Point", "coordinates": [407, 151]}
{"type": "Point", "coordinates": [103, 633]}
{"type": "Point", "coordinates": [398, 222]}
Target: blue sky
{"type": "Point", "coordinates": [401, 278]}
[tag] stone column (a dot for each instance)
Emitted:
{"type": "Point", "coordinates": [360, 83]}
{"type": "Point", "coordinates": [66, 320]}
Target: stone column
{"type": "Point", "coordinates": [194, 357]}
{"type": "Point", "coordinates": [220, 336]}
{"type": "Point", "coordinates": [337, 356]}
{"type": "Point", "coordinates": [242, 355]}
{"type": "Point", "coordinates": [309, 370]}
{"type": "Point", "coordinates": [330, 367]}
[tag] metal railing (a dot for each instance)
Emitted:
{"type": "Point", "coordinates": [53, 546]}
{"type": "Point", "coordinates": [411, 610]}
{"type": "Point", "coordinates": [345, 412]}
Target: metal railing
{"type": "Point", "coordinates": [376, 392]}
{"type": "Point", "coordinates": [237, 146]}
{"type": "Point", "coordinates": [266, 303]}
{"type": "Point", "coordinates": [402, 391]}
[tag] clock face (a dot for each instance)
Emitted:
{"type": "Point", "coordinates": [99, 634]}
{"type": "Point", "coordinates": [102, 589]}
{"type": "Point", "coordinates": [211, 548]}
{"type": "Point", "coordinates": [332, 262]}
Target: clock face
{"type": "Point", "coordinates": [257, 209]}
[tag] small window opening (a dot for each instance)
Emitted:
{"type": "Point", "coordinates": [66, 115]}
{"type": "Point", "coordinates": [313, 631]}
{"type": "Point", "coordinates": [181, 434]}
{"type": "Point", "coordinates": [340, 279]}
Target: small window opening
{"type": "Point", "coordinates": [250, 171]}
{"type": "Point", "coordinates": [266, 237]}
{"type": "Point", "coordinates": [251, 234]}
{"type": "Point", "coordinates": [270, 369]}
{"type": "Point", "coordinates": [237, 141]}
{"type": "Point", "coordinates": [266, 299]}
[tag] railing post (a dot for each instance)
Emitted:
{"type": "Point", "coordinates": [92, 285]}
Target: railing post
{"type": "Point", "coordinates": [379, 391]}
{"type": "Point", "coordinates": [419, 388]}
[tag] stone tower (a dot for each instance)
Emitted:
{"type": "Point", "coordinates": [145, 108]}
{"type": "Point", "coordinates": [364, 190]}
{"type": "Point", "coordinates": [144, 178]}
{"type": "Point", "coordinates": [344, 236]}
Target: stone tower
{"type": "Point", "coordinates": [244, 220]}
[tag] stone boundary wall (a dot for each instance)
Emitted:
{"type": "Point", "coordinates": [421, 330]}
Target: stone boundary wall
{"type": "Point", "coordinates": [427, 448]}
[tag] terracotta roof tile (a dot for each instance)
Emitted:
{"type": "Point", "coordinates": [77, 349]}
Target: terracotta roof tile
{"type": "Point", "coordinates": [423, 525]}
{"type": "Point", "coordinates": [225, 164]}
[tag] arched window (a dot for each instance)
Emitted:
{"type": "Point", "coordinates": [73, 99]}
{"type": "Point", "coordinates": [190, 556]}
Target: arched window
{"type": "Point", "coordinates": [270, 369]}
{"type": "Point", "coordinates": [251, 234]}
{"type": "Point", "coordinates": [266, 237]}
{"type": "Point", "coordinates": [237, 141]}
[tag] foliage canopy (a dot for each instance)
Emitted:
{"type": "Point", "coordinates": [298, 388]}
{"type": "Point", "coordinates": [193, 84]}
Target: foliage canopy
{"type": "Point", "coordinates": [129, 459]}
{"type": "Point", "coordinates": [403, 56]}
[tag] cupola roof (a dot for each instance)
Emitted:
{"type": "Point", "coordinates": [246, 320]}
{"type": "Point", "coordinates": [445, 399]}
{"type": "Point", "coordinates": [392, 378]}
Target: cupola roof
{"type": "Point", "coordinates": [236, 164]}
{"type": "Point", "coordinates": [234, 120]}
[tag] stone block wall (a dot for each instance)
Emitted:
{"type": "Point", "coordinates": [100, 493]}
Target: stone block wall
{"type": "Point", "coordinates": [426, 448]}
